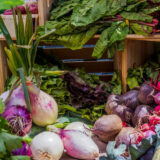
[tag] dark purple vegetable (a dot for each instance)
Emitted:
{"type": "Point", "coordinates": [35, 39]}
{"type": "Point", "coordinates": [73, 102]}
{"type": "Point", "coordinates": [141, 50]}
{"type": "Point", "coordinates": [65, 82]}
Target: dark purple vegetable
{"type": "Point", "coordinates": [24, 151]}
{"type": "Point", "coordinates": [113, 106]}
{"type": "Point", "coordinates": [146, 94]}
{"type": "Point", "coordinates": [107, 127]}
{"type": "Point", "coordinates": [19, 119]}
{"type": "Point", "coordinates": [157, 98]}
{"type": "Point", "coordinates": [141, 115]}
{"type": "Point", "coordinates": [148, 155]}
{"type": "Point", "coordinates": [82, 93]}
{"type": "Point", "coordinates": [130, 99]}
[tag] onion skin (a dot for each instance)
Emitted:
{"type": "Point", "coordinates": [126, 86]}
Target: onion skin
{"type": "Point", "coordinates": [17, 98]}
{"type": "Point", "coordinates": [44, 108]}
{"type": "Point", "coordinates": [80, 126]}
{"type": "Point", "coordinates": [127, 135]}
{"type": "Point", "coordinates": [19, 119]}
{"type": "Point", "coordinates": [146, 94]}
{"type": "Point", "coordinates": [107, 127]}
{"type": "Point", "coordinates": [79, 145]}
{"type": "Point", "coordinates": [141, 115]}
{"type": "Point", "coordinates": [47, 144]}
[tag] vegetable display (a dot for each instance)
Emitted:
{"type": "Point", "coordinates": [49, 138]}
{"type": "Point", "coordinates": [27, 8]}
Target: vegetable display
{"type": "Point", "coordinates": [70, 118]}
{"type": "Point", "coordinates": [76, 22]}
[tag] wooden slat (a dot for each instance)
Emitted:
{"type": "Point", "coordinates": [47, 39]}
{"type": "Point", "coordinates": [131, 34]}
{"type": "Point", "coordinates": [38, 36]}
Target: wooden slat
{"type": "Point", "coordinates": [105, 78]}
{"type": "Point", "coordinates": [92, 66]}
{"type": "Point", "coordinates": [65, 53]}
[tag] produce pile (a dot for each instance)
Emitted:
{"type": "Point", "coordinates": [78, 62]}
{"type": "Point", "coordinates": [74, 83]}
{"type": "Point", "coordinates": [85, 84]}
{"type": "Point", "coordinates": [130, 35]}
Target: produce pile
{"type": "Point", "coordinates": [74, 22]}
{"type": "Point", "coordinates": [30, 127]}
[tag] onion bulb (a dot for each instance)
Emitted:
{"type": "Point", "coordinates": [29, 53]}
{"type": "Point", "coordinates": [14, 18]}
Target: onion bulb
{"type": "Point", "coordinates": [80, 126]}
{"type": "Point", "coordinates": [44, 107]}
{"type": "Point", "coordinates": [78, 145]}
{"type": "Point", "coordinates": [47, 146]}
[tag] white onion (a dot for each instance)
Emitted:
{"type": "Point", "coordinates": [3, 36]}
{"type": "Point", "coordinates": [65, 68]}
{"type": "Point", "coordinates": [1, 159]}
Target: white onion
{"type": "Point", "coordinates": [80, 126]}
{"type": "Point", "coordinates": [47, 146]}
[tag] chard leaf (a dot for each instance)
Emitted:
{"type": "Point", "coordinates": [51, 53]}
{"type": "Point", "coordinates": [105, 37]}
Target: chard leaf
{"type": "Point", "coordinates": [88, 12]}
{"type": "Point", "coordinates": [109, 36]}
{"type": "Point", "coordinates": [63, 9]}
{"type": "Point", "coordinates": [141, 29]}
{"type": "Point", "coordinates": [77, 40]}
{"type": "Point", "coordinates": [135, 7]}
{"type": "Point", "coordinates": [150, 10]}
{"type": "Point", "coordinates": [140, 16]}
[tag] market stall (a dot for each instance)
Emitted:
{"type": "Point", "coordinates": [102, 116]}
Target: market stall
{"type": "Point", "coordinates": [84, 84]}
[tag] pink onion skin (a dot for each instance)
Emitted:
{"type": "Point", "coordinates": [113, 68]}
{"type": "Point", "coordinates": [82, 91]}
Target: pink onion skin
{"type": "Point", "coordinates": [17, 98]}
{"type": "Point", "coordinates": [157, 98]}
{"type": "Point", "coordinates": [19, 119]}
{"type": "Point", "coordinates": [44, 107]}
{"type": "Point", "coordinates": [79, 145]}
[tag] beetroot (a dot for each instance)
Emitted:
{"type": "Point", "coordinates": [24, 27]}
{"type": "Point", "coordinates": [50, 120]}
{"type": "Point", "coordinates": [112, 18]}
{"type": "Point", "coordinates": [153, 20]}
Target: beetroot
{"type": "Point", "coordinates": [107, 127]}
{"type": "Point", "coordinates": [21, 8]}
{"type": "Point", "coordinates": [113, 106]}
{"type": "Point", "coordinates": [146, 94]}
{"type": "Point", "coordinates": [130, 99]}
{"type": "Point", "coordinates": [127, 135]}
{"type": "Point", "coordinates": [141, 115]}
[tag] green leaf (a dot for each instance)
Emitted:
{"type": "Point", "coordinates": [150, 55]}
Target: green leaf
{"type": "Point", "coordinates": [20, 158]}
{"type": "Point", "coordinates": [132, 82]}
{"type": "Point", "coordinates": [26, 94]}
{"type": "Point", "coordinates": [141, 29]}
{"type": "Point", "coordinates": [137, 152]}
{"type": "Point", "coordinates": [5, 31]}
{"type": "Point", "coordinates": [117, 32]}
{"type": "Point", "coordinates": [140, 16]}
{"type": "Point", "coordinates": [151, 10]}
{"type": "Point", "coordinates": [88, 12]}
{"type": "Point", "coordinates": [11, 141]}
{"type": "Point", "coordinates": [2, 106]}
{"type": "Point", "coordinates": [112, 152]}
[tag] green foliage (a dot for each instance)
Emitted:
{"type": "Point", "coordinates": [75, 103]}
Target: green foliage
{"type": "Point", "coordinates": [8, 142]}
{"type": "Point", "coordinates": [2, 106]}
{"type": "Point", "coordinates": [75, 22]}
{"type": "Point", "coordinates": [6, 4]}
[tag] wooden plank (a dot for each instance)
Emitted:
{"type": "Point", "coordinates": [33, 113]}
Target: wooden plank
{"type": "Point", "coordinates": [44, 9]}
{"type": "Point", "coordinates": [92, 66]}
{"type": "Point", "coordinates": [4, 72]}
{"type": "Point", "coordinates": [65, 53]}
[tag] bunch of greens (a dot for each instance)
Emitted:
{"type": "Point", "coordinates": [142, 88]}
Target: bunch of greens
{"type": "Point", "coordinates": [137, 76]}
{"type": "Point", "coordinates": [76, 21]}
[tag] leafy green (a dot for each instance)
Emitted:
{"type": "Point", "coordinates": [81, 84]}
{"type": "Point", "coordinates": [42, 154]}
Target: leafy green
{"type": "Point", "coordinates": [115, 33]}
{"type": "Point", "coordinates": [2, 106]}
{"type": "Point", "coordinates": [19, 158]}
{"type": "Point", "coordinates": [73, 22]}
{"type": "Point", "coordinates": [6, 4]}
{"type": "Point", "coordinates": [112, 152]}
{"type": "Point", "coordinates": [136, 16]}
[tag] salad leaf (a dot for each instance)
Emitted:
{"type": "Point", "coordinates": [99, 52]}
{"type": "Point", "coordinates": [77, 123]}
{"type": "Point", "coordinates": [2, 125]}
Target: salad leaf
{"type": "Point", "coordinates": [2, 106]}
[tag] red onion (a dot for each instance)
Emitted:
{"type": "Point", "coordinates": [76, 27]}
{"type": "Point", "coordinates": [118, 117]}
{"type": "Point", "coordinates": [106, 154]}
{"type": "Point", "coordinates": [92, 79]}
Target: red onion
{"type": "Point", "coordinates": [19, 119]}
{"type": "Point", "coordinates": [16, 99]}
{"type": "Point", "coordinates": [24, 151]}
{"type": "Point", "coordinates": [157, 98]}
